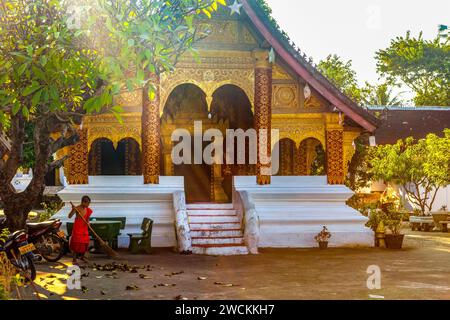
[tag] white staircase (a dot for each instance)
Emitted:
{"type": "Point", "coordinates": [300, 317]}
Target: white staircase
{"type": "Point", "coordinates": [215, 229]}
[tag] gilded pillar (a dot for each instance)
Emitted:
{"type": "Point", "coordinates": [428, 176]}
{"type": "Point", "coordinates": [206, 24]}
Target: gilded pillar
{"type": "Point", "coordinates": [151, 132]}
{"type": "Point", "coordinates": [301, 167]}
{"type": "Point", "coordinates": [263, 115]}
{"type": "Point", "coordinates": [335, 150]}
{"type": "Point", "coordinates": [78, 162]}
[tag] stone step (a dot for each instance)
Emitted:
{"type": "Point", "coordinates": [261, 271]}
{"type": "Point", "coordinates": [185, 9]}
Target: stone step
{"type": "Point", "coordinates": [214, 226]}
{"type": "Point", "coordinates": [218, 240]}
{"type": "Point", "coordinates": [213, 219]}
{"type": "Point", "coordinates": [216, 233]}
{"type": "Point", "coordinates": [213, 206]}
{"type": "Point", "coordinates": [212, 212]}
{"type": "Point", "coordinates": [220, 250]}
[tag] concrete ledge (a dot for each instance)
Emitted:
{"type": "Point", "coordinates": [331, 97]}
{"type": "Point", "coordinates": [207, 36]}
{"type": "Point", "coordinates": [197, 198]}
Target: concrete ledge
{"type": "Point", "coordinates": [292, 210]}
{"type": "Point", "coordinates": [127, 196]}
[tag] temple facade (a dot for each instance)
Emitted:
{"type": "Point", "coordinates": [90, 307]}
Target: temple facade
{"type": "Point", "coordinates": [247, 76]}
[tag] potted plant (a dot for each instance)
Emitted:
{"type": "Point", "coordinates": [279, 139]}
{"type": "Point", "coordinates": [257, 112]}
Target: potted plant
{"type": "Point", "coordinates": [374, 219]}
{"type": "Point", "coordinates": [322, 238]}
{"type": "Point", "coordinates": [393, 220]}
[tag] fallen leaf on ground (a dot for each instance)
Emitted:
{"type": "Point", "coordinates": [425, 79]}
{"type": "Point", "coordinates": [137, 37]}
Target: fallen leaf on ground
{"type": "Point", "coordinates": [202, 278]}
{"type": "Point", "coordinates": [143, 276]}
{"type": "Point", "coordinates": [132, 287]}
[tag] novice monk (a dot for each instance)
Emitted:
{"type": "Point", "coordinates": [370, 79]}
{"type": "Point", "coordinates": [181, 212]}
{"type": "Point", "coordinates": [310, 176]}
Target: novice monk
{"type": "Point", "coordinates": [79, 241]}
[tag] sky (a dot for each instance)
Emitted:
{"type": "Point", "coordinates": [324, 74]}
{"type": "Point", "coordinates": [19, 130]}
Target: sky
{"type": "Point", "coordinates": [356, 29]}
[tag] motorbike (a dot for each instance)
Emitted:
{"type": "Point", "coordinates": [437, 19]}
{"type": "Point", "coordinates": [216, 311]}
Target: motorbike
{"type": "Point", "coordinates": [50, 242]}
{"type": "Point", "coordinates": [19, 252]}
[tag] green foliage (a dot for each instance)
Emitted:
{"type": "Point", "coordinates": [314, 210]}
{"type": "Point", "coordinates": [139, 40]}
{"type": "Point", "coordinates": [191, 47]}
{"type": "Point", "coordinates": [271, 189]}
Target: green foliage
{"type": "Point", "coordinates": [139, 39]}
{"type": "Point", "coordinates": [420, 167]}
{"type": "Point", "coordinates": [375, 218]}
{"type": "Point", "coordinates": [50, 209]}
{"type": "Point", "coordinates": [42, 69]}
{"type": "Point", "coordinates": [359, 175]}
{"type": "Point", "coordinates": [380, 95]}
{"type": "Point", "coordinates": [342, 75]}
{"type": "Point", "coordinates": [361, 203]}
{"type": "Point", "coordinates": [5, 269]}
{"type": "Point", "coordinates": [423, 65]}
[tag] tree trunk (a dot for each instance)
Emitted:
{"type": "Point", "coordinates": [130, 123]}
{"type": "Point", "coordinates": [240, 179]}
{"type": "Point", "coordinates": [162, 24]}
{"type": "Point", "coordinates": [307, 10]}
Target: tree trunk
{"type": "Point", "coordinates": [16, 214]}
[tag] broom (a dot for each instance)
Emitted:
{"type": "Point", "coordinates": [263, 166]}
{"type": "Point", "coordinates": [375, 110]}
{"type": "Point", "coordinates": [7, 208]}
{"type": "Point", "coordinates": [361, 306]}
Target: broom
{"type": "Point", "coordinates": [108, 250]}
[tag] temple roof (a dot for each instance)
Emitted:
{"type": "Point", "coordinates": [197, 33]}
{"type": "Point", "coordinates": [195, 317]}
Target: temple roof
{"type": "Point", "coordinates": [287, 50]}
{"type": "Point", "coordinates": [402, 122]}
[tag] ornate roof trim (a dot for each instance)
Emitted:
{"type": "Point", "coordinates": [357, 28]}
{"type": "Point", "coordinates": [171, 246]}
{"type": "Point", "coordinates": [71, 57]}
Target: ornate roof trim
{"type": "Point", "coordinates": [278, 40]}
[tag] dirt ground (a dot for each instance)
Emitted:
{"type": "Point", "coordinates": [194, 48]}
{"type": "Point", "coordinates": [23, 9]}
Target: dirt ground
{"type": "Point", "coordinates": [420, 271]}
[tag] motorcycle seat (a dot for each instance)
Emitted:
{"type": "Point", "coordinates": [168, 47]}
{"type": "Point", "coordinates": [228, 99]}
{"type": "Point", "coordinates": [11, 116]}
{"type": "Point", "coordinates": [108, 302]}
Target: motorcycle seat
{"type": "Point", "coordinates": [41, 225]}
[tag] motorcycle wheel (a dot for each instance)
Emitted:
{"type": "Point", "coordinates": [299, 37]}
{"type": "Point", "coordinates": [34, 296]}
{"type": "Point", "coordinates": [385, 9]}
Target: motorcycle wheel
{"type": "Point", "coordinates": [56, 253]}
{"type": "Point", "coordinates": [27, 268]}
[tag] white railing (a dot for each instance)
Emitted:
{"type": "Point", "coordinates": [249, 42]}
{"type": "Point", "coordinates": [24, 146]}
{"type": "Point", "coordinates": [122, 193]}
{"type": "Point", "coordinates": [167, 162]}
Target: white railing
{"type": "Point", "coordinates": [245, 208]}
{"type": "Point", "coordinates": [183, 230]}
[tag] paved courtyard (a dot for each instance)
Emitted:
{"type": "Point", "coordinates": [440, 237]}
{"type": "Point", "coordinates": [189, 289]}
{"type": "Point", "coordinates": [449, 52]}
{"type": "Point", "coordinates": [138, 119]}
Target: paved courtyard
{"type": "Point", "coordinates": [420, 271]}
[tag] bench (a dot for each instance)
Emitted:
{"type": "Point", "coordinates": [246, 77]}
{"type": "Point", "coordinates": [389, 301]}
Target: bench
{"type": "Point", "coordinates": [142, 241]}
{"type": "Point", "coordinates": [444, 225]}
{"type": "Point", "coordinates": [421, 223]}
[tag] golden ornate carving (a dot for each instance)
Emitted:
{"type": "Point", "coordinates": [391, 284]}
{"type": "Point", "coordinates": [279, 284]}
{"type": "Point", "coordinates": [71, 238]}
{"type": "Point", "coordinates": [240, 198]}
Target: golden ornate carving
{"type": "Point", "coordinates": [78, 161]}
{"type": "Point", "coordinates": [278, 73]}
{"type": "Point", "coordinates": [313, 102]}
{"type": "Point", "coordinates": [299, 127]}
{"type": "Point", "coordinates": [151, 134]}
{"type": "Point", "coordinates": [263, 119]}
{"type": "Point", "coordinates": [335, 156]}
{"type": "Point", "coordinates": [107, 126]}
{"type": "Point", "coordinates": [129, 99]}
{"type": "Point", "coordinates": [133, 164]}
{"type": "Point", "coordinates": [261, 59]}
{"type": "Point", "coordinates": [288, 152]}
{"type": "Point", "coordinates": [301, 166]}
{"type": "Point", "coordinates": [285, 96]}
{"type": "Point", "coordinates": [247, 37]}
{"type": "Point", "coordinates": [211, 73]}
{"type": "Point", "coordinates": [222, 31]}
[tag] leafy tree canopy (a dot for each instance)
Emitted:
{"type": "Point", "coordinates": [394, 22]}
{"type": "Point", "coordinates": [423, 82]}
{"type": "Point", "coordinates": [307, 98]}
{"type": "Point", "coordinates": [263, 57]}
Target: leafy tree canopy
{"type": "Point", "coordinates": [342, 75]}
{"type": "Point", "coordinates": [420, 167]}
{"type": "Point", "coordinates": [58, 63]}
{"type": "Point", "coordinates": [423, 65]}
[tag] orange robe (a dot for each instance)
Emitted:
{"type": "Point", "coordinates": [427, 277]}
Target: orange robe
{"type": "Point", "coordinates": [79, 241]}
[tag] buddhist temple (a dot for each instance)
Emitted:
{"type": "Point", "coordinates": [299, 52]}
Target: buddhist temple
{"type": "Point", "coordinates": [248, 76]}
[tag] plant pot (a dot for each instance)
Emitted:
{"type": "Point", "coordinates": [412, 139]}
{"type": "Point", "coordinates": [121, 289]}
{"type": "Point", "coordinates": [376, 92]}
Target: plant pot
{"type": "Point", "coordinates": [323, 244]}
{"type": "Point", "coordinates": [394, 241]}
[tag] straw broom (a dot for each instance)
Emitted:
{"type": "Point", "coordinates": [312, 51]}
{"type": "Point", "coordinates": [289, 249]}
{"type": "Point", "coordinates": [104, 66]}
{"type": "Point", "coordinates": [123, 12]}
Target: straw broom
{"type": "Point", "coordinates": [108, 250]}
